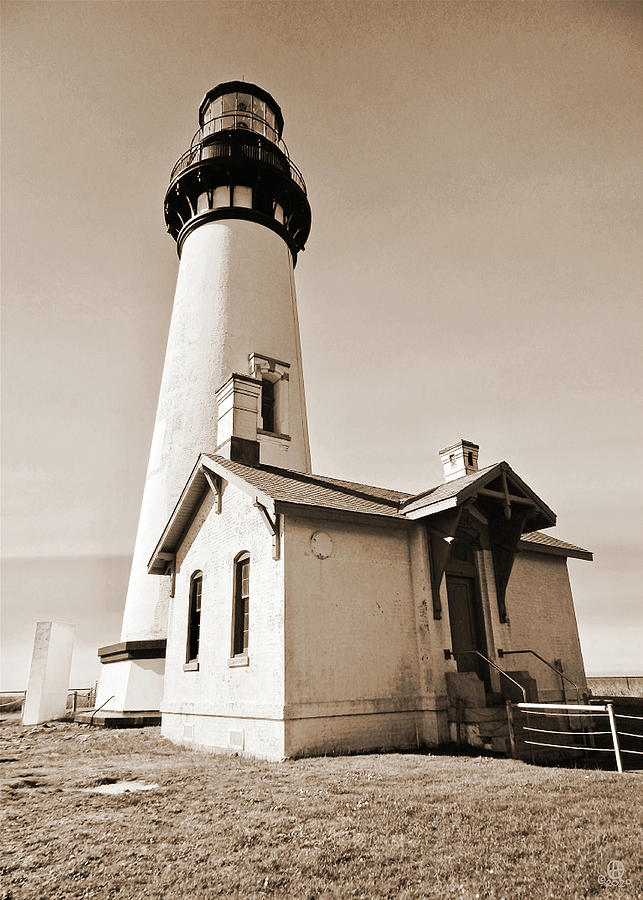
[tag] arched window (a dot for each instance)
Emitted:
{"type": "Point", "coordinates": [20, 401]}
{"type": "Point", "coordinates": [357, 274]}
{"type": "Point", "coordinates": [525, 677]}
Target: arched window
{"type": "Point", "coordinates": [241, 605]}
{"type": "Point", "coordinates": [194, 618]}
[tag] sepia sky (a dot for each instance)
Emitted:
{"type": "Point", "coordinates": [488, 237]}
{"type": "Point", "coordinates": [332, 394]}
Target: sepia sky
{"type": "Point", "coordinates": [474, 268]}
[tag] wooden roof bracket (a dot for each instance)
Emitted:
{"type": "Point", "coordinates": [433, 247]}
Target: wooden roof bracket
{"type": "Point", "coordinates": [216, 486]}
{"type": "Point", "coordinates": [170, 569]}
{"type": "Point", "coordinates": [273, 526]}
{"type": "Point", "coordinates": [439, 552]}
{"type": "Point", "coordinates": [504, 542]}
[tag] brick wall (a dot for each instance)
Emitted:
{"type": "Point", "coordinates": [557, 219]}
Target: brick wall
{"type": "Point", "coordinates": [208, 705]}
{"type": "Point", "coordinates": [542, 618]}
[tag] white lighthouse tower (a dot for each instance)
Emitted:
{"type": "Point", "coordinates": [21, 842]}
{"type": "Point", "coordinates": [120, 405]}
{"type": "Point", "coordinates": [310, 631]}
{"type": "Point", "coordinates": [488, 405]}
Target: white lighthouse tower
{"type": "Point", "coordinates": [237, 208]}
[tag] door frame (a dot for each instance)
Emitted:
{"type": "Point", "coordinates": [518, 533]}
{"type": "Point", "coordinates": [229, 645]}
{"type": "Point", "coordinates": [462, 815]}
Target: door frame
{"type": "Point", "coordinates": [467, 570]}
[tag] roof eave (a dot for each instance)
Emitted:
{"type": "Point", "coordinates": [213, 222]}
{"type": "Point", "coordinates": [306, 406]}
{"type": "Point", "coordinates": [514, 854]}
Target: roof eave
{"type": "Point", "coordinates": [292, 506]}
{"type": "Point", "coordinates": [533, 547]}
{"type": "Point", "coordinates": [187, 506]}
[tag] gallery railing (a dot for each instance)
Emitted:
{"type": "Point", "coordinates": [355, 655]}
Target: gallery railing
{"type": "Point", "coordinates": [205, 145]}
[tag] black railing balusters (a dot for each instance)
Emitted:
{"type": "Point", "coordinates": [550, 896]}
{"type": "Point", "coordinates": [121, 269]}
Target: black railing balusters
{"type": "Point", "coordinates": [217, 148]}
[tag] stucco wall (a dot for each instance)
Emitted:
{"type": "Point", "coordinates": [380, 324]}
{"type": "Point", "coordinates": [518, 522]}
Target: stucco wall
{"type": "Point", "coordinates": [352, 664]}
{"type": "Point", "coordinates": [216, 704]}
{"type": "Point", "coordinates": [542, 618]}
{"type": "Point", "coordinates": [235, 295]}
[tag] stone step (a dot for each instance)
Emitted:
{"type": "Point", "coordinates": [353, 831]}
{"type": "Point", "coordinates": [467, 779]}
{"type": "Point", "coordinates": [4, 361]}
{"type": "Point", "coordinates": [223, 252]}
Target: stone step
{"type": "Point", "coordinates": [107, 719]}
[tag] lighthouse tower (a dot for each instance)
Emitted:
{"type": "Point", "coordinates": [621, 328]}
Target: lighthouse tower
{"type": "Point", "coordinates": [237, 208]}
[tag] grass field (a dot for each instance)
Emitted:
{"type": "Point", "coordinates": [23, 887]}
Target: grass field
{"type": "Point", "coordinates": [394, 825]}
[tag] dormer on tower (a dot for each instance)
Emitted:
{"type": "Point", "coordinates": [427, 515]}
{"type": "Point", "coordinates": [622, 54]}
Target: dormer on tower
{"type": "Point", "coordinates": [459, 459]}
{"type": "Point", "coordinates": [252, 413]}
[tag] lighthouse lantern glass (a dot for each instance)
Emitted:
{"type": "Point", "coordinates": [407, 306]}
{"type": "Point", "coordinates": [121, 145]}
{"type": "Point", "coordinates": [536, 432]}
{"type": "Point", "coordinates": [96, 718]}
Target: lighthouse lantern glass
{"type": "Point", "coordinates": [229, 105]}
{"type": "Point", "coordinates": [239, 110]}
{"type": "Point", "coordinates": [244, 105]}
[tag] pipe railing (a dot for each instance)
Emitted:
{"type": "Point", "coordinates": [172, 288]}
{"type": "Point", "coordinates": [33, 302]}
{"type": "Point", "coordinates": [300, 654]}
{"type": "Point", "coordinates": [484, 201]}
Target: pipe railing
{"type": "Point", "coordinates": [449, 653]}
{"type": "Point", "coordinates": [559, 672]}
{"type": "Point", "coordinates": [583, 712]}
{"type": "Point", "coordinates": [98, 709]}
{"type": "Point", "coordinates": [19, 697]}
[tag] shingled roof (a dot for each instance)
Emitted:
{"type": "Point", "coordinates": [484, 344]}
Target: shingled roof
{"type": "Point", "coordinates": [274, 487]}
{"type": "Point", "coordinates": [316, 490]}
{"type": "Point", "coordinates": [547, 543]}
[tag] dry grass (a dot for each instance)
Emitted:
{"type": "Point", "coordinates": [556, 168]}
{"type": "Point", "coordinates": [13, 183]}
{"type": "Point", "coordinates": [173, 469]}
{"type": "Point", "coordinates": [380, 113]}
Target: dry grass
{"type": "Point", "coordinates": [400, 826]}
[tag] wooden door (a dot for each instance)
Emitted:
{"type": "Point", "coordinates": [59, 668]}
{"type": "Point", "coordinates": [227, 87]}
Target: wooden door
{"type": "Point", "coordinates": [467, 626]}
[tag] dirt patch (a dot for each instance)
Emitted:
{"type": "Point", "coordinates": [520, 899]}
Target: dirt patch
{"type": "Point", "coordinates": [120, 787]}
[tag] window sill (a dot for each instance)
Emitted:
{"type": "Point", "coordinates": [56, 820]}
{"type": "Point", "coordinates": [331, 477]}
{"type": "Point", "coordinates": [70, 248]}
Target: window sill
{"type": "Point", "coordinates": [192, 666]}
{"type": "Point", "coordinates": [236, 661]}
{"type": "Point", "coordinates": [277, 435]}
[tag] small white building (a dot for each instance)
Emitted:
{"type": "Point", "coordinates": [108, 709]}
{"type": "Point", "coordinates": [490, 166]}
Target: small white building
{"type": "Point", "coordinates": [311, 615]}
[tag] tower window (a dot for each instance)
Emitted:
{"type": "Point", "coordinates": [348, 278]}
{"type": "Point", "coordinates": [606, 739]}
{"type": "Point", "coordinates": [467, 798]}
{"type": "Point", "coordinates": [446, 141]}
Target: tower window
{"type": "Point", "coordinates": [470, 458]}
{"type": "Point", "coordinates": [268, 404]}
{"type": "Point", "coordinates": [240, 616]}
{"type": "Point", "coordinates": [194, 618]}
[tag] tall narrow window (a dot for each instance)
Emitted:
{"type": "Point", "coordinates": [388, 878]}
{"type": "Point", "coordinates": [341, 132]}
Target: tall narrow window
{"type": "Point", "coordinates": [194, 617]}
{"type": "Point", "coordinates": [268, 404]}
{"type": "Point", "coordinates": [241, 605]}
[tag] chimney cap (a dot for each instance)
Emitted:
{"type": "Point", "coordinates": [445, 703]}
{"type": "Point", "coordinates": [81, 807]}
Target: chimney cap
{"type": "Point", "coordinates": [461, 443]}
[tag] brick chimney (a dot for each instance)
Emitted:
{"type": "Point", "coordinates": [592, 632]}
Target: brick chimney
{"type": "Point", "coordinates": [459, 459]}
{"type": "Point", "coordinates": [238, 405]}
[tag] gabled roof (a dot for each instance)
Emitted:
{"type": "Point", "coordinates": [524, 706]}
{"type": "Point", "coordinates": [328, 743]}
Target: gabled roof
{"type": "Point", "coordinates": [277, 489]}
{"type": "Point", "coordinates": [447, 491]}
{"type": "Point", "coordinates": [455, 493]}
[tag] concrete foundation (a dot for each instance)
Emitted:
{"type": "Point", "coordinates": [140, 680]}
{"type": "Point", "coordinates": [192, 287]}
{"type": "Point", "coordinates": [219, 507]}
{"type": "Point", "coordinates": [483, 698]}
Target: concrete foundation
{"type": "Point", "coordinates": [132, 685]}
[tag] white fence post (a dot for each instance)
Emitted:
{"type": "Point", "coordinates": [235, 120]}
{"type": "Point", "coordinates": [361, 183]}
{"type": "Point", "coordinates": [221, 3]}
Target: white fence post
{"type": "Point", "coordinates": [617, 749]}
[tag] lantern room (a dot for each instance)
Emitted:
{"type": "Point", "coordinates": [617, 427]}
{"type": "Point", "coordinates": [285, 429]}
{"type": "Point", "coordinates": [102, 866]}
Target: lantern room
{"type": "Point", "coordinates": [239, 104]}
{"type": "Point", "coordinates": [238, 167]}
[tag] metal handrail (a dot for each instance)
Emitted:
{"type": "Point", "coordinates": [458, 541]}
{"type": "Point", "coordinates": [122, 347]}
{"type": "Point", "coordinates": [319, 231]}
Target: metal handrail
{"type": "Point", "coordinates": [98, 709]}
{"type": "Point", "coordinates": [201, 136]}
{"type": "Point", "coordinates": [195, 154]}
{"type": "Point", "coordinates": [240, 118]}
{"type": "Point", "coordinates": [449, 653]}
{"type": "Point", "coordinates": [502, 653]}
